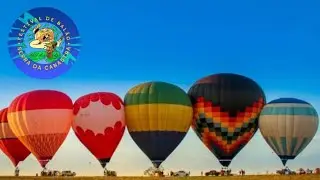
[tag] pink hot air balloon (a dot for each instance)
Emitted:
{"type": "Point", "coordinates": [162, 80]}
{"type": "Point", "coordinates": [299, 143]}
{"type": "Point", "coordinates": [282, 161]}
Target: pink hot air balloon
{"type": "Point", "coordinates": [99, 123]}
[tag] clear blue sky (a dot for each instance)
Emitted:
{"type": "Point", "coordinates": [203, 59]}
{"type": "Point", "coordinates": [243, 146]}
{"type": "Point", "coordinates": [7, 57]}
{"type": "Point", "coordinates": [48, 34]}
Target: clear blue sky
{"type": "Point", "coordinates": [129, 42]}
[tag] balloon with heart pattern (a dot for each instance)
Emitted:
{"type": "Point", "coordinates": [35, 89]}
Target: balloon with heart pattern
{"type": "Point", "coordinates": [99, 123]}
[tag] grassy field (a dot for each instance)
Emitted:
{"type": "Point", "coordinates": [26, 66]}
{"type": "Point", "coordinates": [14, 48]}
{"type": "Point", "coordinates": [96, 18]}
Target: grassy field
{"type": "Point", "coordinates": [260, 177]}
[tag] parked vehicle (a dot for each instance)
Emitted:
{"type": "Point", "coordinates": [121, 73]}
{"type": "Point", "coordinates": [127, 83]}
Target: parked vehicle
{"type": "Point", "coordinates": [212, 173]}
{"type": "Point", "coordinates": [68, 173]}
{"type": "Point", "coordinates": [181, 174]}
{"type": "Point", "coordinates": [110, 173]}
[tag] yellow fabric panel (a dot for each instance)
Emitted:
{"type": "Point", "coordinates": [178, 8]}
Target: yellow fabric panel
{"type": "Point", "coordinates": [138, 89]}
{"type": "Point", "coordinates": [158, 117]}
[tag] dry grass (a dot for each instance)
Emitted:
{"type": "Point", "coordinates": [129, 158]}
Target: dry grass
{"type": "Point", "coordinates": [260, 177]}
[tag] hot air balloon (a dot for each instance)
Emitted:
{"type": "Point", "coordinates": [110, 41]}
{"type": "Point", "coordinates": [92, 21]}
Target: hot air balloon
{"type": "Point", "coordinates": [288, 125]}
{"type": "Point", "coordinates": [41, 120]}
{"type": "Point", "coordinates": [158, 116]}
{"type": "Point", "coordinates": [9, 143]}
{"type": "Point", "coordinates": [99, 123]}
{"type": "Point", "coordinates": [226, 109]}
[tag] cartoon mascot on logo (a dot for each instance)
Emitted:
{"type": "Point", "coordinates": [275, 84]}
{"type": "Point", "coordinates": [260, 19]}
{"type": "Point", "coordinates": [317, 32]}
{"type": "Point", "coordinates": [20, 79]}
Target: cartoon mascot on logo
{"type": "Point", "coordinates": [44, 39]}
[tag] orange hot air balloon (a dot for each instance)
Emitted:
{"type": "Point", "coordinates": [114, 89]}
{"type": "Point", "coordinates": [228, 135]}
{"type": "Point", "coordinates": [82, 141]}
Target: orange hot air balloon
{"type": "Point", "coordinates": [41, 120]}
{"type": "Point", "coordinates": [9, 143]}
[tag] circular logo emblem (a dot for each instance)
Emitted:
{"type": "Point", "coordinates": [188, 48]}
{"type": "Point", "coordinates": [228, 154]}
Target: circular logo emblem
{"type": "Point", "coordinates": [44, 43]}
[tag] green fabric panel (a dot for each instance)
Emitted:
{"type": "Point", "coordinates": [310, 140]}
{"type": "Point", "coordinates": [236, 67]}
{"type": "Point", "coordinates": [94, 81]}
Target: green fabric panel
{"type": "Point", "coordinates": [283, 141]}
{"type": "Point", "coordinates": [293, 111]}
{"type": "Point", "coordinates": [275, 144]}
{"type": "Point", "coordinates": [157, 93]}
{"type": "Point", "coordinates": [269, 142]}
{"type": "Point", "coordinates": [303, 145]}
{"type": "Point", "coordinates": [294, 142]}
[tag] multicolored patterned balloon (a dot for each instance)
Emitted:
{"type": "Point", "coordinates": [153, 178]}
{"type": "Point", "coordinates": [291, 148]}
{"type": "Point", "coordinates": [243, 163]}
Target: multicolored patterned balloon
{"type": "Point", "coordinates": [226, 109]}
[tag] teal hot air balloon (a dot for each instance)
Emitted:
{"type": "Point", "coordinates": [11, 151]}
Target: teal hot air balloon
{"type": "Point", "coordinates": [288, 125]}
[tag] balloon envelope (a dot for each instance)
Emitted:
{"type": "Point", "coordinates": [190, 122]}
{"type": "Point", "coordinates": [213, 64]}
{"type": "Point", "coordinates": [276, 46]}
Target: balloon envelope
{"type": "Point", "coordinates": [9, 143]}
{"type": "Point", "coordinates": [99, 123]}
{"type": "Point", "coordinates": [158, 116]}
{"type": "Point", "coordinates": [288, 125]}
{"type": "Point", "coordinates": [226, 109]}
{"type": "Point", "coordinates": [41, 119]}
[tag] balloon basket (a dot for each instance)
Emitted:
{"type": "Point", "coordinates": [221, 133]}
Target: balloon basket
{"type": "Point", "coordinates": [154, 172]}
{"type": "Point", "coordinates": [109, 173]}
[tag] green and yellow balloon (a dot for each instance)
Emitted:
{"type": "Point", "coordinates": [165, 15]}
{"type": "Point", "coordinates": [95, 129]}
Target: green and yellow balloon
{"type": "Point", "coordinates": [158, 116]}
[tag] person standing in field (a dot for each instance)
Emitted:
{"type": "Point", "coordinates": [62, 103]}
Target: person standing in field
{"type": "Point", "coordinates": [17, 171]}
